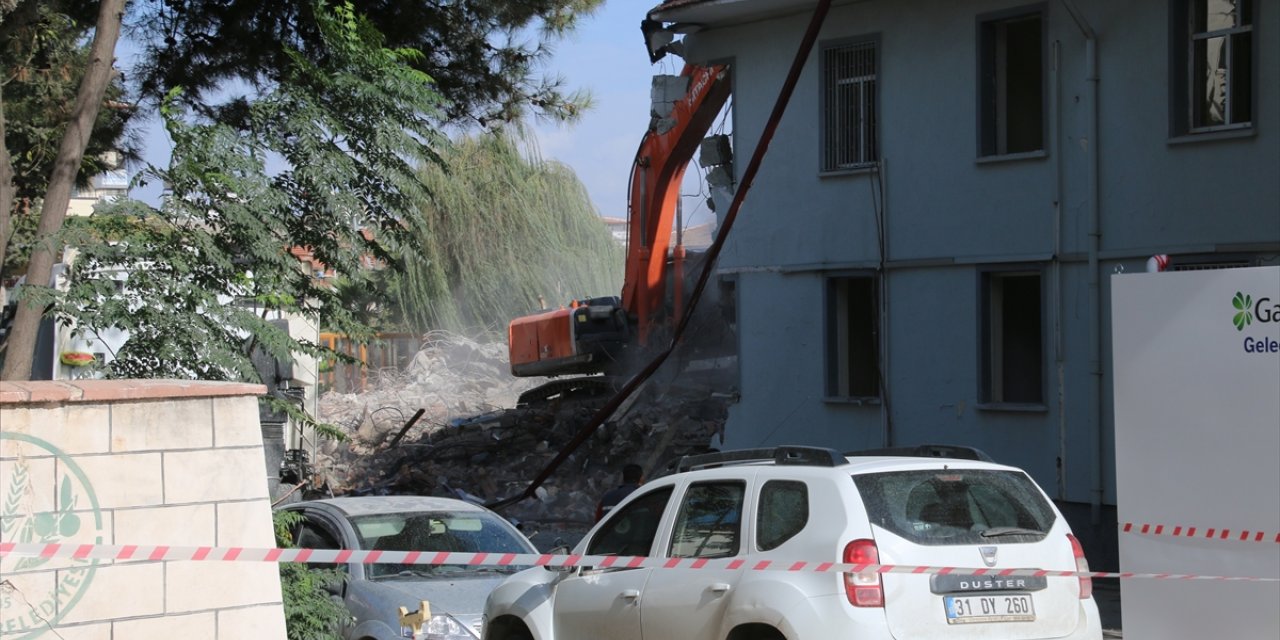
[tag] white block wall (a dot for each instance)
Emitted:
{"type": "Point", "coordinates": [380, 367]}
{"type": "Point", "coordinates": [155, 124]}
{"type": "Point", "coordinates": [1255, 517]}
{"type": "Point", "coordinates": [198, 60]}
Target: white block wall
{"type": "Point", "coordinates": [139, 462]}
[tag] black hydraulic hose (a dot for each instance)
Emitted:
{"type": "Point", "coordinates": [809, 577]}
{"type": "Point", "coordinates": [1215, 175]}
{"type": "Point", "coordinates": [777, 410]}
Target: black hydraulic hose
{"type": "Point", "coordinates": [748, 175]}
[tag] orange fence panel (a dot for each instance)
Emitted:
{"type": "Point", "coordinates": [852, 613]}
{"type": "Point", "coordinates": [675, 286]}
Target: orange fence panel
{"type": "Point", "coordinates": [385, 351]}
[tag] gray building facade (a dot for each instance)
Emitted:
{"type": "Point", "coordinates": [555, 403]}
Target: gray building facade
{"type": "Point", "coordinates": [925, 254]}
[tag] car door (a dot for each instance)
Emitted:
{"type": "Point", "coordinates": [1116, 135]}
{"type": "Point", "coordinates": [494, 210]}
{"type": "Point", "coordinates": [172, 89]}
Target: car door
{"type": "Point", "coordinates": [690, 603]}
{"type": "Point", "coordinates": [594, 603]}
{"type": "Point", "coordinates": [317, 531]}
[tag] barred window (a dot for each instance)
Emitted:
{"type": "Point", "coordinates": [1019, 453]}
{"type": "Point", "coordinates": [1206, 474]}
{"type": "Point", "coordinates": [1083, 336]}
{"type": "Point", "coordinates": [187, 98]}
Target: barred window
{"type": "Point", "coordinates": [849, 106]}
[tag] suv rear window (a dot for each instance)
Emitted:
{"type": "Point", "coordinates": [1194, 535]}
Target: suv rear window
{"type": "Point", "coordinates": [956, 506]}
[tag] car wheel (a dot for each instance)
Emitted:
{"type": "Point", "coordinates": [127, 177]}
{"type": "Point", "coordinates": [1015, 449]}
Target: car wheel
{"type": "Point", "coordinates": [756, 632]}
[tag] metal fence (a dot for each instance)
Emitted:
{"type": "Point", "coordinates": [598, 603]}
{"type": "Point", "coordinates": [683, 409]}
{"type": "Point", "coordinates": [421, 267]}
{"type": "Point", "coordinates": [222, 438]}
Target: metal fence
{"type": "Point", "coordinates": [386, 351]}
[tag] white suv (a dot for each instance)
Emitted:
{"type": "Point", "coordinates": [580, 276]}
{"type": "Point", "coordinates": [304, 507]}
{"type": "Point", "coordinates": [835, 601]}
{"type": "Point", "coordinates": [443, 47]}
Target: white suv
{"type": "Point", "coordinates": [809, 504]}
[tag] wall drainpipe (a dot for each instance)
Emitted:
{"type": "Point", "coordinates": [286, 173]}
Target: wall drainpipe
{"type": "Point", "coordinates": [886, 418]}
{"type": "Point", "coordinates": [1095, 232]}
{"type": "Point", "coordinates": [1055, 101]}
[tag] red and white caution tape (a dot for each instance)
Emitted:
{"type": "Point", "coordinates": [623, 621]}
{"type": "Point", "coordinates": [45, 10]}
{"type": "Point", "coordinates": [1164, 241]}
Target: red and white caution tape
{"type": "Point", "coordinates": [1208, 533]}
{"type": "Point", "coordinates": [333, 556]}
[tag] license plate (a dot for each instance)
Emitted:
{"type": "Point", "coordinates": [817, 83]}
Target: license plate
{"type": "Point", "coordinates": [1001, 607]}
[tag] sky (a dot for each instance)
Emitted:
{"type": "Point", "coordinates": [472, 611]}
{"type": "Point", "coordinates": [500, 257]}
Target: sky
{"type": "Point", "coordinates": [604, 55]}
{"type": "Point", "coordinates": [607, 56]}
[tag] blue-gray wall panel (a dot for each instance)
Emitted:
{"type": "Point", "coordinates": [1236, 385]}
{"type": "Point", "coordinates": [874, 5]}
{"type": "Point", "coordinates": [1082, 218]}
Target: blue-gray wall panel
{"type": "Point", "coordinates": [942, 203]}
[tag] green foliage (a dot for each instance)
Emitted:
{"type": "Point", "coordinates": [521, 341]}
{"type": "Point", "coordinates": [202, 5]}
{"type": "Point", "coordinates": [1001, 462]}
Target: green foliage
{"type": "Point", "coordinates": [373, 300]}
{"type": "Point", "coordinates": [310, 612]}
{"type": "Point", "coordinates": [205, 273]}
{"type": "Point", "coordinates": [484, 55]}
{"type": "Point", "coordinates": [506, 229]}
{"type": "Point", "coordinates": [21, 243]}
{"type": "Point", "coordinates": [43, 61]}
{"type": "Point", "coordinates": [43, 55]}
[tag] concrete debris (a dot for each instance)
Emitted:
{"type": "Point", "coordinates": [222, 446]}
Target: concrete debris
{"type": "Point", "coordinates": [472, 443]}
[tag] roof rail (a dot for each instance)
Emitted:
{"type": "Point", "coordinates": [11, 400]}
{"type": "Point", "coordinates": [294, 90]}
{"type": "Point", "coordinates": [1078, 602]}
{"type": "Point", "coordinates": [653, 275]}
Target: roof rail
{"type": "Point", "coordinates": [790, 455]}
{"type": "Point", "coordinates": [959, 452]}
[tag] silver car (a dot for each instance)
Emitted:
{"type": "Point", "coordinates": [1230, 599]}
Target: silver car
{"type": "Point", "coordinates": [374, 593]}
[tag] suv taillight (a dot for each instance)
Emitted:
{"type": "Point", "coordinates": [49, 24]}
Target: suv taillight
{"type": "Point", "coordinates": [865, 589]}
{"type": "Point", "coordinates": [1082, 565]}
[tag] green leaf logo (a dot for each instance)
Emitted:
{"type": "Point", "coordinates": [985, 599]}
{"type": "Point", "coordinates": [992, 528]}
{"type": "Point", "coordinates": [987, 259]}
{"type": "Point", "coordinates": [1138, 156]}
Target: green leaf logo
{"type": "Point", "coordinates": [1244, 315]}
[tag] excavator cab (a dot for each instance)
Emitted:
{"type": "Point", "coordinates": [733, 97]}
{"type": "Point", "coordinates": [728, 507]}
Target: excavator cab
{"type": "Point", "coordinates": [584, 338]}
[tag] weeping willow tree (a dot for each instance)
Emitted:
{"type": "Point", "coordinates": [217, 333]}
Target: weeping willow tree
{"type": "Point", "coordinates": [504, 230]}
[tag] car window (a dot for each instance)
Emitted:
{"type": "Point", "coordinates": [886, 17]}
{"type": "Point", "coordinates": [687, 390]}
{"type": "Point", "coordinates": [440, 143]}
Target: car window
{"type": "Point", "coordinates": [710, 521]}
{"type": "Point", "coordinates": [782, 513]}
{"type": "Point", "coordinates": [466, 532]}
{"type": "Point", "coordinates": [964, 506]}
{"type": "Point", "coordinates": [313, 535]}
{"type": "Point", "coordinates": [629, 530]}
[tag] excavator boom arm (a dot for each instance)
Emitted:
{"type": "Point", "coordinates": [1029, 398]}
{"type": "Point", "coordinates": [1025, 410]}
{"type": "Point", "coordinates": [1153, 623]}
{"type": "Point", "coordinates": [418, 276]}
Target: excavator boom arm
{"type": "Point", "coordinates": [656, 174]}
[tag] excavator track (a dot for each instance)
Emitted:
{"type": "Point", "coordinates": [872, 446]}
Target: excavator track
{"type": "Point", "coordinates": [572, 388]}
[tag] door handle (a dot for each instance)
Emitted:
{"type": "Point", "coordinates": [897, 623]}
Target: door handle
{"type": "Point", "coordinates": [718, 588]}
{"type": "Point", "coordinates": [631, 595]}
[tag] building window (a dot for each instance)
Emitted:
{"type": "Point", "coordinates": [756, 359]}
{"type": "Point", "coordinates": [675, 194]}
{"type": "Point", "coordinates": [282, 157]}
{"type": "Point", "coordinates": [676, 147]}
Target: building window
{"type": "Point", "coordinates": [853, 338]}
{"type": "Point", "coordinates": [849, 106]}
{"type": "Point", "coordinates": [1012, 338]}
{"type": "Point", "coordinates": [1011, 75]}
{"type": "Point", "coordinates": [1213, 70]}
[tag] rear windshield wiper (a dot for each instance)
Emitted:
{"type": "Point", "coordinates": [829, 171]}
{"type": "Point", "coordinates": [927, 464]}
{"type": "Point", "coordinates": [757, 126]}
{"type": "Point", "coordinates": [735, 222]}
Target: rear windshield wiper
{"type": "Point", "coordinates": [996, 532]}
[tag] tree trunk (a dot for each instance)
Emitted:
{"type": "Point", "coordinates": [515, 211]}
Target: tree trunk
{"type": "Point", "coordinates": [22, 340]}
{"type": "Point", "coordinates": [6, 191]}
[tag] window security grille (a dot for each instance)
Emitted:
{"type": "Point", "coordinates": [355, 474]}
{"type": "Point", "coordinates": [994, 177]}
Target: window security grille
{"type": "Point", "coordinates": [849, 107]}
{"type": "Point", "coordinates": [1210, 266]}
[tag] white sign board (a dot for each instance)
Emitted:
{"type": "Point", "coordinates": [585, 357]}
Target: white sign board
{"type": "Point", "coordinates": [1197, 424]}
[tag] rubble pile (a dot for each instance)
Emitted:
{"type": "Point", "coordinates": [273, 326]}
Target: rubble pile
{"type": "Point", "coordinates": [474, 443]}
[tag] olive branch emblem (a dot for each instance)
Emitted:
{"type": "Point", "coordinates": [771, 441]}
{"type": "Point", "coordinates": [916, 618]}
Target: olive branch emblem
{"type": "Point", "coordinates": [12, 499]}
{"type": "Point", "coordinates": [1244, 314]}
{"type": "Point", "coordinates": [41, 528]}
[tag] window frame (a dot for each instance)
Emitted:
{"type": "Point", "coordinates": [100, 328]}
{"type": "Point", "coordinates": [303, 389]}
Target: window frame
{"type": "Point", "coordinates": [988, 398]}
{"type": "Point", "coordinates": [835, 350]}
{"type": "Point", "coordinates": [826, 136]}
{"type": "Point", "coordinates": [741, 486]}
{"type": "Point", "coordinates": [325, 528]}
{"type": "Point", "coordinates": [779, 483]}
{"type": "Point", "coordinates": [1183, 109]}
{"type": "Point", "coordinates": [985, 96]}
{"type": "Point", "coordinates": [903, 516]}
{"type": "Point", "coordinates": [615, 515]}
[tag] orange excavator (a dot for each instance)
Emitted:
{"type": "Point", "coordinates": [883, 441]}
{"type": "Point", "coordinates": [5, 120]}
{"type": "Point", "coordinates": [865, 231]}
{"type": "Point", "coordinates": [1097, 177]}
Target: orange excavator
{"type": "Point", "coordinates": [599, 335]}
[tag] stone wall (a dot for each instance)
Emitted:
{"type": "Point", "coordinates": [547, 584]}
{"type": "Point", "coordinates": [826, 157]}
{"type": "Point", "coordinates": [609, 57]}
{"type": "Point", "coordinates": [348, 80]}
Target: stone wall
{"type": "Point", "coordinates": [144, 463]}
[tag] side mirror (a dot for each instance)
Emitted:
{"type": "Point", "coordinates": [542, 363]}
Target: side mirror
{"type": "Point", "coordinates": [559, 550]}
